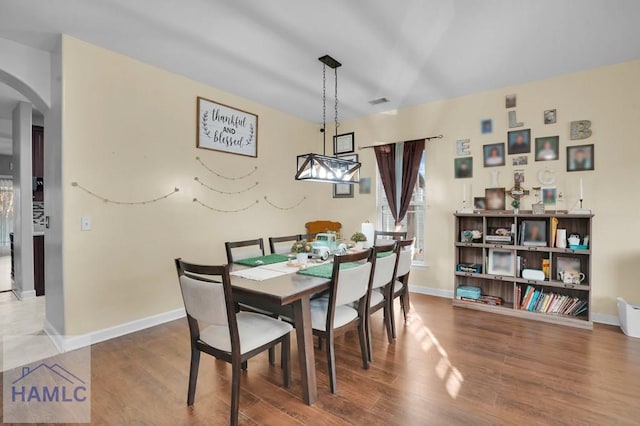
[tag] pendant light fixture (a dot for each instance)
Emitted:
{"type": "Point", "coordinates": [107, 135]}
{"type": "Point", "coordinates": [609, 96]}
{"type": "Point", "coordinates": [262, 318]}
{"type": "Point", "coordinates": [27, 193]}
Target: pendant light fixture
{"type": "Point", "coordinates": [322, 168]}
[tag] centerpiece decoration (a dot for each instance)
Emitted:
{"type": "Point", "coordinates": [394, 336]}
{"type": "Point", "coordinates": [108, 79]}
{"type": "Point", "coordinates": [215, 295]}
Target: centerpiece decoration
{"type": "Point", "coordinates": [359, 238]}
{"type": "Point", "coordinates": [301, 249]}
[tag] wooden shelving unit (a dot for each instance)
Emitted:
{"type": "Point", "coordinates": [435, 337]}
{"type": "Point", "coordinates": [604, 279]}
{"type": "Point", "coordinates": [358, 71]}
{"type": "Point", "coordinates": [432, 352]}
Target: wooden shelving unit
{"type": "Point", "coordinates": [506, 286]}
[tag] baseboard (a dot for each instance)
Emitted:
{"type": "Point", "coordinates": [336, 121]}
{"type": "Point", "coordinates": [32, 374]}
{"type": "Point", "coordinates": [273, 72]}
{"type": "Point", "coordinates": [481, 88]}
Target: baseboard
{"type": "Point", "coordinates": [22, 295]}
{"type": "Point", "coordinates": [439, 292]}
{"type": "Point", "coordinates": [69, 343]}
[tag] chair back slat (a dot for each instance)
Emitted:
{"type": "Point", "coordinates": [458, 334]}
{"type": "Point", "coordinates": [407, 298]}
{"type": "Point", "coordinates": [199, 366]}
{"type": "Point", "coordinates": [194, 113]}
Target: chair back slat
{"type": "Point", "coordinates": [204, 300]}
{"type": "Point", "coordinates": [383, 272]}
{"type": "Point", "coordinates": [282, 245]}
{"type": "Point", "coordinates": [352, 284]}
{"type": "Point", "coordinates": [404, 261]}
{"type": "Point", "coordinates": [238, 250]}
{"type": "Point", "coordinates": [383, 238]}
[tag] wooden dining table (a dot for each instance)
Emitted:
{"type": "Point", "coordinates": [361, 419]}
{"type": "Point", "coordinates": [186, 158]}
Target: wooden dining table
{"type": "Point", "coordinates": [288, 295]}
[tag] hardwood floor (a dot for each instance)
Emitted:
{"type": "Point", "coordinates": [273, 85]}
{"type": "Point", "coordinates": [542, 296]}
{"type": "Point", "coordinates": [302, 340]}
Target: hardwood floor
{"type": "Point", "coordinates": [448, 366]}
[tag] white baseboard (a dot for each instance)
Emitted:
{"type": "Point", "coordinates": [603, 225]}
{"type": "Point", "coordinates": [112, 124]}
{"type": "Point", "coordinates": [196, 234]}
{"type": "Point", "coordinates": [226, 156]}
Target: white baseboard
{"type": "Point", "coordinates": [448, 294]}
{"type": "Point", "coordinates": [22, 295]}
{"type": "Point", "coordinates": [69, 343]}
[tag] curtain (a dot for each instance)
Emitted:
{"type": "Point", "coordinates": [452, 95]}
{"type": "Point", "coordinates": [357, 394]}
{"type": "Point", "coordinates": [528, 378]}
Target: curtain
{"type": "Point", "coordinates": [386, 159]}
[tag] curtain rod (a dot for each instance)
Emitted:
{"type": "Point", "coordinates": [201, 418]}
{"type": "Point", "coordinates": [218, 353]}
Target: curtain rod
{"type": "Point", "coordinates": [381, 144]}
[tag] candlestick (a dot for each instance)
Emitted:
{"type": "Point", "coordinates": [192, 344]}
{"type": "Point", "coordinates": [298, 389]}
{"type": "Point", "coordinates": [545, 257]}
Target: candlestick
{"type": "Point", "coordinates": [581, 192]}
{"type": "Point", "coordinates": [464, 192]}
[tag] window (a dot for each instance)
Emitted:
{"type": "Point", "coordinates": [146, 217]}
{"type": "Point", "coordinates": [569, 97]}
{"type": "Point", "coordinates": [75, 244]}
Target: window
{"type": "Point", "coordinates": [413, 222]}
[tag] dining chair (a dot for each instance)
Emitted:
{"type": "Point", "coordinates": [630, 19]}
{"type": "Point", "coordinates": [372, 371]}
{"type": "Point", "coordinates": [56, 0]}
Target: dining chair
{"type": "Point", "coordinates": [401, 284]}
{"type": "Point", "coordinates": [385, 237]}
{"type": "Point", "coordinates": [238, 250]}
{"type": "Point", "coordinates": [333, 315]}
{"type": "Point", "coordinates": [386, 262]}
{"type": "Point", "coordinates": [216, 329]}
{"type": "Point", "coordinates": [308, 237]}
{"type": "Point", "coordinates": [317, 226]}
{"type": "Point", "coordinates": [282, 245]}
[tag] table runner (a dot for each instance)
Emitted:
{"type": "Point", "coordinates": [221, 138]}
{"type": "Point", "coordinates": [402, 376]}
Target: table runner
{"type": "Point", "coordinates": [262, 260]}
{"type": "Point", "coordinates": [325, 270]}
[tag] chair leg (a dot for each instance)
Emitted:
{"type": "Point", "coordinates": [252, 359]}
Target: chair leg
{"type": "Point", "coordinates": [319, 343]}
{"type": "Point", "coordinates": [392, 317]}
{"type": "Point", "coordinates": [285, 360]}
{"type": "Point", "coordinates": [193, 375]}
{"type": "Point", "coordinates": [404, 302]}
{"type": "Point", "coordinates": [331, 363]}
{"type": "Point", "coordinates": [369, 343]}
{"type": "Point", "coordinates": [364, 343]}
{"type": "Point", "coordinates": [235, 392]}
{"type": "Point", "coordinates": [244, 366]}
{"type": "Point", "coordinates": [272, 355]}
{"type": "Point", "coordinates": [387, 321]}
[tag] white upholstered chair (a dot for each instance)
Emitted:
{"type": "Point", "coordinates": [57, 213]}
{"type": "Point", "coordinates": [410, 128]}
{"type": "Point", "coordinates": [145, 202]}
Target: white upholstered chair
{"type": "Point", "coordinates": [334, 315]}
{"type": "Point", "coordinates": [401, 284]}
{"type": "Point", "coordinates": [384, 269]}
{"type": "Point", "coordinates": [217, 330]}
{"type": "Point", "coordinates": [238, 250]}
{"type": "Point", "coordinates": [282, 245]}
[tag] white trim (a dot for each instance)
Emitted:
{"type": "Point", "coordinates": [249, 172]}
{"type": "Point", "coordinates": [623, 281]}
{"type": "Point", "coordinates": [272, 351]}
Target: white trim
{"type": "Point", "coordinates": [448, 294]}
{"type": "Point", "coordinates": [23, 295]}
{"type": "Point", "coordinates": [69, 343]}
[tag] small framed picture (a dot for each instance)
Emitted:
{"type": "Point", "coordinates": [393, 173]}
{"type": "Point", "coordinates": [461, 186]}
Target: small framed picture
{"type": "Point", "coordinates": [495, 198]}
{"type": "Point", "coordinates": [344, 190]}
{"type": "Point", "coordinates": [343, 144]}
{"type": "Point", "coordinates": [518, 176]}
{"type": "Point", "coordinates": [501, 262]}
{"type": "Point", "coordinates": [580, 158]}
{"type": "Point", "coordinates": [365, 185]}
{"type": "Point", "coordinates": [510, 101]}
{"type": "Point", "coordinates": [534, 233]}
{"type": "Point", "coordinates": [493, 154]}
{"type": "Point", "coordinates": [479, 203]}
{"type": "Point", "coordinates": [550, 116]}
{"type": "Point", "coordinates": [519, 160]}
{"type": "Point", "coordinates": [547, 148]}
{"type": "Point", "coordinates": [519, 141]}
{"type": "Point", "coordinates": [566, 263]}
{"type": "Point", "coordinates": [463, 167]}
{"type": "Point", "coordinates": [550, 195]}
{"type": "Point", "coordinates": [486, 126]}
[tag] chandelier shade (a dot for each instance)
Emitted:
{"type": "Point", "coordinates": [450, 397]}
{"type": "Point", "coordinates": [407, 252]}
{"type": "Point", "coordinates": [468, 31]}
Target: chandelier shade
{"type": "Point", "coordinates": [320, 168]}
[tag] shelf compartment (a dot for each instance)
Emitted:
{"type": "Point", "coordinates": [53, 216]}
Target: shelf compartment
{"type": "Point", "coordinates": [554, 283]}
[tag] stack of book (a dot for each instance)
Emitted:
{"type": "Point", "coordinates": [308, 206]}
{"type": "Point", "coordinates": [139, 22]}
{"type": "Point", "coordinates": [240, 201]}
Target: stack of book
{"type": "Point", "coordinates": [499, 235]}
{"type": "Point", "coordinates": [485, 299]}
{"type": "Point", "coordinates": [535, 300]}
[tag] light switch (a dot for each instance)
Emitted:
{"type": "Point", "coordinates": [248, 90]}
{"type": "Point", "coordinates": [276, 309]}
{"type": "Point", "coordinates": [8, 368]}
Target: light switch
{"type": "Point", "coordinates": [86, 224]}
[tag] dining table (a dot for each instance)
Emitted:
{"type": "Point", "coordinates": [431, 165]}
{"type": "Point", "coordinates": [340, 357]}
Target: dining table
{"type": "Point", "coordinates": [286, 293]}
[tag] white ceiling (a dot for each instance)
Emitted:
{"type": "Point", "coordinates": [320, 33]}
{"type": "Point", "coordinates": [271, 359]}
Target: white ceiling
{"type": "Point", "coordinates": [411, 51]}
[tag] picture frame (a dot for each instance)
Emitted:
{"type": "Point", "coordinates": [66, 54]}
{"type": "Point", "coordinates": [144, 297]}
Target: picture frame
{"type": "Point", "coordinates": [520, 160]}
{"type": "Point", "coordinates": [518, 176]}
{"type": "Point", "coordinates": [547, 148]}
{"type": "Point", "coordinates": [566, 263]}
{"type": "Point", "coordinates": [493, 155]}
{"type": "Point", "coordinates": [550, 116]}
{"type": "Point", "coordinates": [495, 198]}
{"type": "Point", "coordinates": [510, 101]}
{"type": "Point", "coordinates": [534, 233]}
{"type": "Point", "coordinates": [225, 128]}
{"type": "Point", "coordinates": [344, 143]}
{"type": "Point", "coordinates": [345, 190]}
{"type": "Point", "coordinates": [365, 186]}
{"type": "Point", "coordinates": [580, 158]}
{"type": "Point", "coordinates": [501, 262]}
{"type": "Point", "coordinates": [549, 196]}
{"type": "Point", "coordinates": [519, 141]}
{"type": "Point", "coordinates": [479, 203]}
{"type": "Point", "coordinates": [463, 167]}
{"type": "Point", "coordinates": [486, 126]}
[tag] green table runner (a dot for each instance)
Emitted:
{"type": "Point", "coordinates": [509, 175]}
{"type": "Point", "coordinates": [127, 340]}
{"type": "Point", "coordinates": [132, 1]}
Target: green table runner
{"type": "Point", "coordinates": [325, 270]}
{"type": "Point", "coordinates": [384, 254]}
{"type": "Point", "coordinates": [262, 260]}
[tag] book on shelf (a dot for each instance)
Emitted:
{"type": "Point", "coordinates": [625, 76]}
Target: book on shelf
{"type": "Point", "coordinates": [535, 300]}
{"type": "Point", "coordinates": [499, 235]}
{"type": "Point", "coordinates": [485, 299]}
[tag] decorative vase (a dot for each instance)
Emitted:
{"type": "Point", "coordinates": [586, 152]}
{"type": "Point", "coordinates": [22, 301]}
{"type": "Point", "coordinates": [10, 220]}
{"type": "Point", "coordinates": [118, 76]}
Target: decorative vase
{"type": "Point", "coordinates": [360, 245]}
{"type": "Point", "coordinates": [561, 238]}
{"type": "Point", "coordinates": [302, 258]}
{"type": "Point", "coordinates": [516, 210]}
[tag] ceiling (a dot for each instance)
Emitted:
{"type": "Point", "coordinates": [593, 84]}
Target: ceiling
{"type": "Point", "coordinates": [411, 52]}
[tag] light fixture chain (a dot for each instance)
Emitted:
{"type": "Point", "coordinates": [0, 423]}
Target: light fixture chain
{"type": "Point", "coordinates": [336, 72]}
{"type": "Point", "coordinates": [324, 109]}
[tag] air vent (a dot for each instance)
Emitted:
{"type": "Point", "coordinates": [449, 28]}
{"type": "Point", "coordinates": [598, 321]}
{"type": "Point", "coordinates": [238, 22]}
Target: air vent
{"type": "Point", "coordinates": [379, 101]}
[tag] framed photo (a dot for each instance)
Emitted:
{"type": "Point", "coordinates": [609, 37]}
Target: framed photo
{"type": "Point", "coordinates": [518, 176]}
{"type": "Point", "coordinates": [463, 167]}
{"type": "Point", "coordinates": [343, 144]}
{"type": "Point", "coordinates": [550, 196]}
{"type": "Point", "coordinates": [494, 198]}
{"type": "Point", "coordinates": [344, 190]}
{"type": "Point", "coordinates": [510, 101]}
{"type": "Point", "coordinates": [520, 160]}
{"type": "Point", "coordinates": [580, 158]}
{"type": "Point", "coordinates": [493, 154]}
{"type": "Point", "coordinates": [566, 263]}
{"type": "Point", "coordinates": [486, 126]}
{"type": "Point", "coordinates": [519, 141]}
{"type": "Point", "coordinates": [501, 262]}
{"type": "Point", "coordinates": [550, 116]}
{"type": "Point", "coordinates": [547, 148]}
{"type": "Point", "coordinates": [227, 129]}
{"type": "Point", "coordinates": [462, 148]}
{"type": "Point", "coordinates": [365, 185]}
{"type": "Point", "coordinates": [479, 203]}
{"type": "Point", "coordinates": [534, 233]}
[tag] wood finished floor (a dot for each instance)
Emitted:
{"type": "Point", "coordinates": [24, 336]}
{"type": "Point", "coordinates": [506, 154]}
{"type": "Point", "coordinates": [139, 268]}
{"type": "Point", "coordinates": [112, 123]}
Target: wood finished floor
{"type": "Point", "coordinates": [450, 366]}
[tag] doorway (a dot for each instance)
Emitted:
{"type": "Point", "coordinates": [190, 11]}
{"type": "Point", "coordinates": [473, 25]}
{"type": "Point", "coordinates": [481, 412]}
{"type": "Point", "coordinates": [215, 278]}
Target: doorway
{"type": "Point", "coordinates": [6, 227]}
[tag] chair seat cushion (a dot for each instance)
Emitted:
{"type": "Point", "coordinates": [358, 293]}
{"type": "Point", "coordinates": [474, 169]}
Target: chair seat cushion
{"type": "Point", "coordinates": [397, 286]}
{"type": "Point", "coordinates": [376, 297]}
{"type": "Point", "coordinates": [254, 330]}
{"type": "Point", "coordinates": [344, 314]}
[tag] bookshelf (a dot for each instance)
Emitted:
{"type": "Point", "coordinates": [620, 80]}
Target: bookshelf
{"type": "Point", "coordinates": [508, 245]}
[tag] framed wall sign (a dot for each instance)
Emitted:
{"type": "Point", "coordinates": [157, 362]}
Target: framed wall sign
{"type": "Point", "coordinates": [227, 129]}
{"type": "Point", "coordinates": [343, 144]}
{"type": "Point", "coordinates": [344, 190]}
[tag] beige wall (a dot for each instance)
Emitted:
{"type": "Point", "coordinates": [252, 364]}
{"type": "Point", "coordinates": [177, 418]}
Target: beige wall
{"type": "Point", "coordinates": [129, 134]}
{"type": "Point", "coordinates": [608, 96]}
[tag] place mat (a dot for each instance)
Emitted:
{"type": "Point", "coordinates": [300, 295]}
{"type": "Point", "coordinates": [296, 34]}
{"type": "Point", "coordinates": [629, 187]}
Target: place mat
{"type": "Point", "coordinates": [262, 260]}
{"type": "Point", "coordinates": [384, 254]}
{"type": "Point", "coordinates": [258, 274]}
{"type": "Point", "coordinates": [325, 270]}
